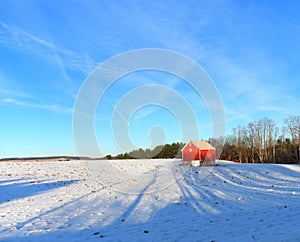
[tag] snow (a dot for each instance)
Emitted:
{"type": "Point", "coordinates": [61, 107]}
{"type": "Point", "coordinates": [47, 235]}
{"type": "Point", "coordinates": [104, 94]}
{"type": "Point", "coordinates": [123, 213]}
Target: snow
{"type": "Point", "coordinates": [150, 200]}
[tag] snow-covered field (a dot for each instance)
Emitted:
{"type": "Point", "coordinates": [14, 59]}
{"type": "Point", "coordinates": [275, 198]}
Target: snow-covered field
{"type": "Point", "coordinates": [150, 200]}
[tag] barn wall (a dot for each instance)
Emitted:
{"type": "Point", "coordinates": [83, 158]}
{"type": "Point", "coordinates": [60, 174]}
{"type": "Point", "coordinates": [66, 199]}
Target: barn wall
{"type": "Point", "coordinates": [208, 156]}
{"type": "Point", "coordinates": [191, 152]}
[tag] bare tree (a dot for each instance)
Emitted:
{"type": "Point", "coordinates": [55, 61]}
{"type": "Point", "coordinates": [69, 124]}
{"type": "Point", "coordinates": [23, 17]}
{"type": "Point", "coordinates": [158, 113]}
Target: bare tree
{"type": "Point", "coordinates": [218, 143]}
{"type": "Point", "coordinates": [250, 137]}
{"type": "Point", "coordinates": [262, 141]}
{"type": "Point", "coordinates": [293, 127]}
{"type": "Point", "coordinates": [238, 133]}
{"type": "Point", "coordinates": [273, 141]}
{"type": "Point", "coordinates": [258, 139]}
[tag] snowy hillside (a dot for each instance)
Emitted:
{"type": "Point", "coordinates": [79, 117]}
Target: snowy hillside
{"type": "Point", "coordinates": [148, 201]}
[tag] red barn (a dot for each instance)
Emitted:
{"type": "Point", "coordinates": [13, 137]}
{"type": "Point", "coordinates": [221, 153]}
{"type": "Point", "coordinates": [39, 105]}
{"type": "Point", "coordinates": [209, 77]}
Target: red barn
{"type": "Point", "coordinates": [198, 150]}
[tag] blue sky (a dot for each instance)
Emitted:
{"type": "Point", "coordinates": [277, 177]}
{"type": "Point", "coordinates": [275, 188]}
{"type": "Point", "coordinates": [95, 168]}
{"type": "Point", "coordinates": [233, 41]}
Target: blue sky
{"type": "Point", "coordinates": [47, 49]}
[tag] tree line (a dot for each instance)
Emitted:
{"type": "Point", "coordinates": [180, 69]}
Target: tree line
{"type": "Point", "coordinates": [159, 152]}
{"type": "Point", "coordinates": [261, 141]}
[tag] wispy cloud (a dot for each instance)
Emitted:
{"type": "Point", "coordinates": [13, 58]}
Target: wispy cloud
{"type": "Point", "coordinates": [233, 115]}
{"type": "Point", "coordinates": [145, 112]}
{"type": "Point", "coordinates": [15, 38]}
{"type": "Point", "coordinates": [50, 107]}
{"type": "Point", "coordinates": [248, 78]}
{"type": "Point", "coordinates": [9, 88]}
{"type": "Point", "coordinates": [246, 89]}
{"type": "Point", "coordinates": [271, 108]}
{"type": "Point", "coordinates": [10, 92]}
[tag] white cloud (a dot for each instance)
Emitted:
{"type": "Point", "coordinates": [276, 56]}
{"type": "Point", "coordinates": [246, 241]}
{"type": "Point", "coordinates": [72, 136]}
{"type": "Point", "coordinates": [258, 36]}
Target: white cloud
{"type": "Point", "coordinates": [50, 107]}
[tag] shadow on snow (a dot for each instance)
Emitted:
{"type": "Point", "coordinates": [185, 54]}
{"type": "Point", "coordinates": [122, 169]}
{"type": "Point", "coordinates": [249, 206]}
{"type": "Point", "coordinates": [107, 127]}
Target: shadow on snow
{"type": "Point", "coordinates": [231, 201]}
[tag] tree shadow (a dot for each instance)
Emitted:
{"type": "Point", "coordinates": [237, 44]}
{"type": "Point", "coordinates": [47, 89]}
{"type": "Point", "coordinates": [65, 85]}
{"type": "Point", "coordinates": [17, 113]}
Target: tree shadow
{"type": "Point", "coordinates": [21, 188]}
{"type": "Point", "coordinates": [222, 204]}
{"type": "Point", "coordinates": [73, 207]}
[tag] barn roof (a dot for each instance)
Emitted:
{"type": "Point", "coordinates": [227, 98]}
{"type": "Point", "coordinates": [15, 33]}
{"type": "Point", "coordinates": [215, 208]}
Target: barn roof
{"type": "Point", "coordinates": [201, 145]}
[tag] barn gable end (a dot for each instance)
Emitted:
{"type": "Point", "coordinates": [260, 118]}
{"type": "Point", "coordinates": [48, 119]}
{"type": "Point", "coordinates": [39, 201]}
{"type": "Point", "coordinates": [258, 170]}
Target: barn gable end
{"type": "Point", "coordinates": [198, 150]}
